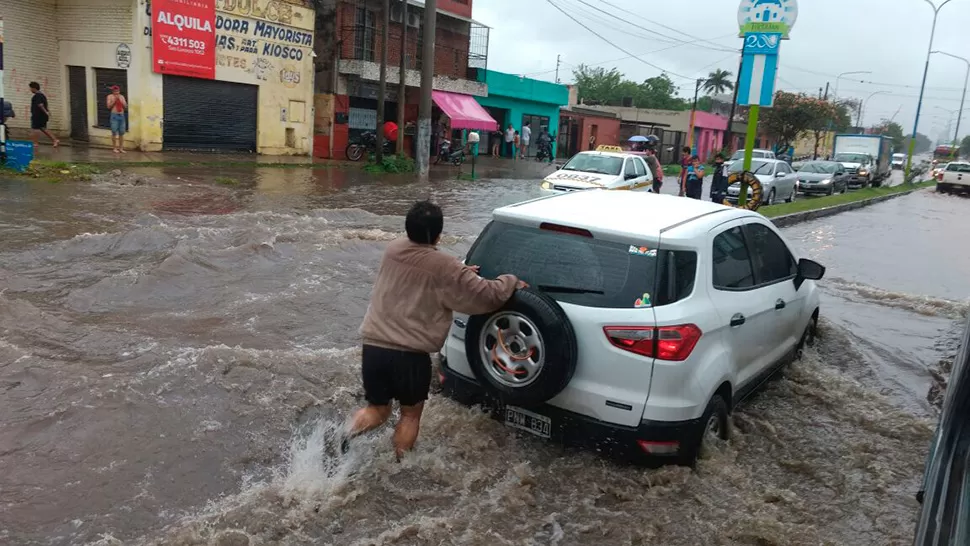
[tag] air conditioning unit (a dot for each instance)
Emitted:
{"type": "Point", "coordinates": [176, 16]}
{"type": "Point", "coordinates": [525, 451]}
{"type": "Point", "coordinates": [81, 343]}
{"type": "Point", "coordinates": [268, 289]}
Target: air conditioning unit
{"type": "Point", "coordinates": [414, 19]}
{"type": "Point", "coordinates": [395, 14]}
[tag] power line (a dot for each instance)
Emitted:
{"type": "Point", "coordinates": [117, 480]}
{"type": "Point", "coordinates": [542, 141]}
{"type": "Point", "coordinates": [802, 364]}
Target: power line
{"type": "Point", "coordinates": [618, 8]}
{"type": "Point", "coordinates": [592, 16]}
{"type": "Point", "coordinates": [601, 37]}
{"type": "Point", "coordinates": [823, 74]}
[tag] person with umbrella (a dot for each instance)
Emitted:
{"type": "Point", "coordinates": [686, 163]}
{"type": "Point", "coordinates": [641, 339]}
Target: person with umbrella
{"type": "Point", "coordinates": [639, 143]}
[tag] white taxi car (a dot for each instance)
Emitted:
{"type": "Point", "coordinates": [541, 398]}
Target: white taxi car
{"type": "Point", "coordinates": [607, 168]}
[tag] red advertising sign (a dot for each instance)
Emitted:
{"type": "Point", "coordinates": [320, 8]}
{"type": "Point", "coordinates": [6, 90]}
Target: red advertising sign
{"type": "Point", "coordinates": [184, 38]}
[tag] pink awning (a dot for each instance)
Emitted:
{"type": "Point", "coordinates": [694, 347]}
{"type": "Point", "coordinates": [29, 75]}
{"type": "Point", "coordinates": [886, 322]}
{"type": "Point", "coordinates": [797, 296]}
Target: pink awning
{"type": "Point", "coordinates": [464, 111]}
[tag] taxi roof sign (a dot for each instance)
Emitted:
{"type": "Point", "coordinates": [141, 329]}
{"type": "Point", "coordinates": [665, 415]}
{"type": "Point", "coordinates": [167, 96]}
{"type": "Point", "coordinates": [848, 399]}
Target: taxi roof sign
{"type": "Point", "coordinates": [608, 148]}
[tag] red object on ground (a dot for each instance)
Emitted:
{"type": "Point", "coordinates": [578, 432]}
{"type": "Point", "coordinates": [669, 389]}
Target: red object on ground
{"type": "Point", "coordinates": [390, 131]}
{"type": "Point", "coordinates": [184, 38]}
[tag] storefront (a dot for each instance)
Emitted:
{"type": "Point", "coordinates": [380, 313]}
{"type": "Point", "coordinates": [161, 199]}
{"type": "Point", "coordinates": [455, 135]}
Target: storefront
{"type": "Point", "coordinates": [522, 101]}
{"type": "Point", "coordinates": [218, 75]}
{"type": "Point", "coordinates": [581, 129]}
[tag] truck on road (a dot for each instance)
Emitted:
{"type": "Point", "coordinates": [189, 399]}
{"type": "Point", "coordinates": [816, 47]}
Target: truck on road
{"type": "Point", "coordinates": [867, 158]}
{"type": "Point", "coordinates": [955, 178]}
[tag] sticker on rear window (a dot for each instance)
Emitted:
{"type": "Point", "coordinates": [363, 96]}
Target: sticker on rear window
{"type": "Point", "coordinates": [642, 251]}
{"type": "Point", "coordinates": [642, 301]}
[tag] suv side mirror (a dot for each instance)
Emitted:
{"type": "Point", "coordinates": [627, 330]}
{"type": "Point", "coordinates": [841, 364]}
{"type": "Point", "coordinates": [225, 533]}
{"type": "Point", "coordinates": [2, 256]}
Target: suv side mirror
{"type": "Point", "coordinates": [779, 175]}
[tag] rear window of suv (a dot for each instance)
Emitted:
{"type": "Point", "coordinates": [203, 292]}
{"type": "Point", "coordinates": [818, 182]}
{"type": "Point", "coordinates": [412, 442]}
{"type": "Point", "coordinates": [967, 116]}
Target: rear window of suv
{"type": "Point", "coordinates": [583, 270]}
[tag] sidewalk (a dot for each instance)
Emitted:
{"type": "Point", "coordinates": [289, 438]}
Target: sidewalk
{"type": "Point", "coordinates": [485, 167]}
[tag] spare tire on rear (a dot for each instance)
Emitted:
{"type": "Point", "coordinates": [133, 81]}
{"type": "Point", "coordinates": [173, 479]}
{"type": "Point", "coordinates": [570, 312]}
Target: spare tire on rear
{"type": "Point", "coordinates": [525, 353]}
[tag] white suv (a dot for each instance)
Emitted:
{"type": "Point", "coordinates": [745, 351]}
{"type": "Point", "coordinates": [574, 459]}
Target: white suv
{"type": "Point", "coordinates": [648, 319]}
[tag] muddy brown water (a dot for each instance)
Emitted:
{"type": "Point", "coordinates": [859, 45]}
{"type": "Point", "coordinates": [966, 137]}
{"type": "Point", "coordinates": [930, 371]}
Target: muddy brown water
{"type": "Point", "coordinates": [175, 354]}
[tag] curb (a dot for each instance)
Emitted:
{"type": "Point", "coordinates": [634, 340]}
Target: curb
{"type": "Point", "coordinates": [799, 217]}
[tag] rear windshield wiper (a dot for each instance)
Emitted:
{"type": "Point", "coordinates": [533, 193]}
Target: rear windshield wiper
{"type": "Point", "coordinates": [568, 290]}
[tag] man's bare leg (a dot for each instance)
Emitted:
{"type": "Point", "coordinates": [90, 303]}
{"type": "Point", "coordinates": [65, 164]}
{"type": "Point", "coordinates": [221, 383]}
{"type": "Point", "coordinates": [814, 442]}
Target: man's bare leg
{"type": "Point", "coordinates": [368, 418]}
{"type": "Point", "coordinates": [35, 134]}
{"type": "Point", "coordinates": [406, 431]}
{"type": "Point", "coordinates": [54, 141]}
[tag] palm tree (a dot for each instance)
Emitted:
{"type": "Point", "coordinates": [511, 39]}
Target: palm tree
{"type": "Point", "coordinates": [719, 81]}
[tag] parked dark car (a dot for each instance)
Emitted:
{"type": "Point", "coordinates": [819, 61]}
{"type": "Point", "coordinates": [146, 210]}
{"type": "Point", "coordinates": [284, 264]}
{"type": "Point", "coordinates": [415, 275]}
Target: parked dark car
{"type": "Point", "coordinates": [822, 178]}
{"type": "Point", "coordinates": [944, 518]}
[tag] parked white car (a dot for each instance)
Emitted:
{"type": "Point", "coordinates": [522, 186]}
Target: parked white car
{"type": "Point", "coordinates": [738, 157]}
{"type": "Point", "coordinates": [600, 170]}
{"type": "Point", "coordinates": [648, 319]}
{"type": "Point", "coordinates": [778, 181]}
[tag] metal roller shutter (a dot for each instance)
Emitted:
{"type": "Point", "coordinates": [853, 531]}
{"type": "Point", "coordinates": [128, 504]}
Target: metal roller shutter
{"type": "Point", "coordinates": [208, 115]}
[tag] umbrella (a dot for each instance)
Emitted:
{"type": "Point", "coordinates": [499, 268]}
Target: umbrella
{"type": "Point", "coordinates": [638, 138]}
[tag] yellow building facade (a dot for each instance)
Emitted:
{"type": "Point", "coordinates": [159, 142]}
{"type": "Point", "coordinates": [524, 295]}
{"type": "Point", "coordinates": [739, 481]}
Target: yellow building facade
{"type": "Point", "coordinates": [260, 100]}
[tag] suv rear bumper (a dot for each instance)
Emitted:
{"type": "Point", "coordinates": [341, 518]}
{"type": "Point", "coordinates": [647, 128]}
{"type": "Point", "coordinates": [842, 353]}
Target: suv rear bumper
{"type": "Point", "coordinates": [657, 440]}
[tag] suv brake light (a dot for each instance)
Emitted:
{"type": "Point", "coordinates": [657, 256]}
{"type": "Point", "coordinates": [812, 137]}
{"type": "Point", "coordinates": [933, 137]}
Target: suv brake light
{"type": "Point", "coordinates": [673, 343]}
{"type": "Point", "coordinates": [565, 229]}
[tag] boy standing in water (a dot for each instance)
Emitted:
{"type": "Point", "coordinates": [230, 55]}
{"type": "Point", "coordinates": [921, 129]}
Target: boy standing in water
{"type": "Point", "coordinates": [409, 316]}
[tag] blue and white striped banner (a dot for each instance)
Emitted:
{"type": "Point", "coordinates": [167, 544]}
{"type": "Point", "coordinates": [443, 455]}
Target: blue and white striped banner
{"type": "Point", "coordinates": [758, 76]}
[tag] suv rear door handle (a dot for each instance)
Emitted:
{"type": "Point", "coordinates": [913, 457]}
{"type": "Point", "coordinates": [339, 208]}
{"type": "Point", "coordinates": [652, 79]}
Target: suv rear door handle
{"type": "Point", "coordinates": [780, 304]}
{"type": "Point", "coordinates": [737, 320]}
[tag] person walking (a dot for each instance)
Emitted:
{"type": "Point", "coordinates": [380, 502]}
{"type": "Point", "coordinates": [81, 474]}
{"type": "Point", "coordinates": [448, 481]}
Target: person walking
{"type": "Point", "coordinates": [409, 316]}
{"type": "Point", "coordinates": [694, 179]}
{"type": "Point", "coordinates": [509, 137]}
{"type": "Point", "coordinates": [525, 138]}
{"type": "Point", "coordinates": [40, 115]}
{"type": "Point", "coordinates": [117, 104]}
{"type": "Point", "coordinates": [719, 183]}
{"type": "Point", "coordinates": [655, 168]}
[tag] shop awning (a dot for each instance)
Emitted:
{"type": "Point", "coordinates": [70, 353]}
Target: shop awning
{"type": "Point", "coordinates": [464, 111]}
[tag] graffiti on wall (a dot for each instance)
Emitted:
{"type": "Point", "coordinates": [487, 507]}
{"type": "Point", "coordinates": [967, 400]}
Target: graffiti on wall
{"type": "Point", "coordinates": [287, 12]}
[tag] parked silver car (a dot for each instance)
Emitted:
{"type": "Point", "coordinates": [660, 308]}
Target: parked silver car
{"type": "Point", "coordinates": [778, 181]}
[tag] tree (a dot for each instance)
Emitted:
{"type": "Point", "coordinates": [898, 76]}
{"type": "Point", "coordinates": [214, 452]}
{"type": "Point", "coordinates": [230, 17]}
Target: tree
{"type": "Point", "coordinates": [965, 146]}
{"type": "Point", "coordinates": [611, 88]}
{"type": "Point", "coordinates": [894, 131]}
{"type": "Point", "coordinates": [794, 114]}
{"type": "Point", "coordinates": [719, 81]}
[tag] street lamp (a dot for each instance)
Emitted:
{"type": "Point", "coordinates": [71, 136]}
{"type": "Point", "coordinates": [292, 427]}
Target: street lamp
{"type": "Point", "coordinates": [862, 107]}
{"type": "Point", "coordinates": [963, 98]}
{"type": "Point", "coordinates": [847, 74]}
{"type": "Point", "coordinates": [922, 88]}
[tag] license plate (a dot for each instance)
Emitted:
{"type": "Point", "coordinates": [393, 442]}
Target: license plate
{"type": "Point", "coordinates": [521, 419]}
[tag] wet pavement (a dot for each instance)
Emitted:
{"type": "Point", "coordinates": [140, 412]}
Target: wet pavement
{"type": "Point", "coordinates": [175, 354]}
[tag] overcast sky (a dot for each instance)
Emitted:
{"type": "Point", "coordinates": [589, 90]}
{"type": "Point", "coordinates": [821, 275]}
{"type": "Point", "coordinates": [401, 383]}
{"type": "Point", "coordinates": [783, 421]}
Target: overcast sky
{"type": "Point", "coordinates": [886, 37]}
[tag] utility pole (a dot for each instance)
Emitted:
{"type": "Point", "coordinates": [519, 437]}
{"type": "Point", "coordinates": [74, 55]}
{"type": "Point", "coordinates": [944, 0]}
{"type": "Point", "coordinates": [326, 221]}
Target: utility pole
{"type": "Point", "coordinates": [382, 85]}
{"type": "Point", "coordinates": [558, 60]}
{"type": "Point", "coordinates": [734, 103]}
{"type": "Point", "coordinates": [427, 82]}
{"type": "Point", "coordinates": [693, 114]}
{"type": "Point", "coordinates": [3, 127]}
{"type": "Point", "coordinates": [403, 87]}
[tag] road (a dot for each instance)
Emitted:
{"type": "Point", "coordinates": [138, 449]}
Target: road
{"type": "Point", "coordinates": [174, 354]}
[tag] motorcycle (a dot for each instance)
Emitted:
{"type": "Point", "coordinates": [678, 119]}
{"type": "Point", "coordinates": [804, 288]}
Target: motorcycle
{"type": "Point", "coordinates": [544, 152]}
{"type": "Point", "coordinates": [446, 154]}
{"type": "Point", "coordinates": [368, 144]}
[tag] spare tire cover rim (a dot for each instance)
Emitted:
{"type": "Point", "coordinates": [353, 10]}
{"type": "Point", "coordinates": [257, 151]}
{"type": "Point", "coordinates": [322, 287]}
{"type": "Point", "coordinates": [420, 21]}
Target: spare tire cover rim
{"type": "Point", "coordinates": [512, 349]}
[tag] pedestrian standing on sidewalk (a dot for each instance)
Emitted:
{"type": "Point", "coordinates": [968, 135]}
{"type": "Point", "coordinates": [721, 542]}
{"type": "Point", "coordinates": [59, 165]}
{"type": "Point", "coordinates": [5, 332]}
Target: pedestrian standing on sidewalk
{"type": "Point", "coordinates": [719, 183]}
{"type": "Point", "coordinates": [685, 161]}
{"type": "Point", "coordinates": [509, 137]}
{"type": "Point", "coordinates": [117, 104]}
{"type": "Point", "coordinates": [409, 316]}
{"type": "Point", "coordinates": [526, 137]}
{"type": "Point", "coordinates": [40, 115]}
{"type": "Point", "coordinates": [515, 145]}
{"type": "Point", "coordinates": [694, 179]}
{"type": "Point", "coordinates": [496, 142]}
{"type": "Point", "coordinates": [655, 168]}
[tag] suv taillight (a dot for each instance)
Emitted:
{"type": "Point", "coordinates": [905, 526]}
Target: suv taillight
{"type": "Point", "coordinates": [664, 343]}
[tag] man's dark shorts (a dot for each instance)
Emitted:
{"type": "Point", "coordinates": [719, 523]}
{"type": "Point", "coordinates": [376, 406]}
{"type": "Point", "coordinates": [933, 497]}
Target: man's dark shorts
{"type": "Point", "coordinates": [695, 189]}
{"type": "Point", "coordinates": [390, 374]}
{"type": "Point", "coordinates": [38, 122]}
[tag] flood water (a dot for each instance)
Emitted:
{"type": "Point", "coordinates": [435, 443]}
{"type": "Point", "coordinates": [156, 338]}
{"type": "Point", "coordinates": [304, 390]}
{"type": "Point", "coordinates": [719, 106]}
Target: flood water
{"type": "Point", "coordinates": [175, 353]}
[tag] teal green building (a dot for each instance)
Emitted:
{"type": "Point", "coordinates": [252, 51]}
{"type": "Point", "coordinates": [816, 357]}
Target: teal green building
{"type": "Point", "coordinates": [517, 100]}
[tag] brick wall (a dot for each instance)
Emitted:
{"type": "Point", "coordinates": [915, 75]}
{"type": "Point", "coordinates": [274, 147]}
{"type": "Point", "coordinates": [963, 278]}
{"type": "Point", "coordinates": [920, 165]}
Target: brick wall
{"type": "Point", "coordinates": [458, 7]}
{"type": "Point", "coordinates": [31, 54]}
{"type": "Point", "coordinates": [94, 21]}
{"type": "Point", "coordinates": [451, 40]}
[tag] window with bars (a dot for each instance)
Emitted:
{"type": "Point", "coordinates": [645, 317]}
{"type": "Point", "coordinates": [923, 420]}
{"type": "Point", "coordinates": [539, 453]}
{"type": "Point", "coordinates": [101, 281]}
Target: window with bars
{"type": "Point", "coordinates": [364, 33]}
